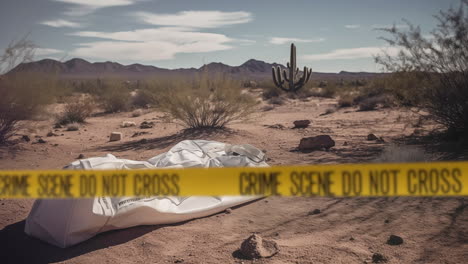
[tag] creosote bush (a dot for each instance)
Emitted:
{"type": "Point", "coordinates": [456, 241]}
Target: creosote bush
{"type": "Point", "coordinates": [206, 101]}
{"type": "Point", "coordinates": [76, 111]}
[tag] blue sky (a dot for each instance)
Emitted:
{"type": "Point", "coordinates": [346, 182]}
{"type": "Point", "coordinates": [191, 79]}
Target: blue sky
{"type": "Point", "coordinates": [330, 35]}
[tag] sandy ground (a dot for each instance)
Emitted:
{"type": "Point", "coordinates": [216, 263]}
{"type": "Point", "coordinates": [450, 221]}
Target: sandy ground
{"type": "Point", "coordinates": [348, 230]}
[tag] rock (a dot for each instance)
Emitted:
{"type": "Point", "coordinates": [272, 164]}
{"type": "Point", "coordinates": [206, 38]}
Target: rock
{"type": "Point", "coordinates": [143, 141]}
{"type": "Point", "coordinates": [127, 124]}
{"type": "Point", "coordinates": [387, 221]}
{"type": "Point", "coordinates": [345, 143]}
{"type": "Point", "coordinates": [378, 258]}
{"type": "Point", "coordinates": [256, 247]}
{"type": "Point", "coordinates": [301, 123]}
{"type": "Point", "coordinates": [26, 138]}
{"type": "Point", "coordinates": [228, 211]}
{"type": "Point", "coordinates": [316, 143]}
{"type": "Point", "coordinates": [41, 141]}
{"type": "Point", "coordinates": [315, 211]}
{"type": "Point", "coordinates": [276, 126]}
{"type": "Point", "coordinates": [136, 134]}
{"type": "Point", "coordinates": [351, 239]}
{"type": "Point", "coordinates": [372, 137]}
{"type": "Point", "coordinates": [394, 240]}
{"type": "Point", "coordinates": [115, 136]}
{"type": "Point", "coordinates": [81, 156]}
{"type": "Point", "coordinates": [57, 126]}
{"type": "Point", "coordinates": [146, 124]}
{"type": "Point", "coordinates": [380, 140]}
{"type": "Point", "coordinates": [51, 134]}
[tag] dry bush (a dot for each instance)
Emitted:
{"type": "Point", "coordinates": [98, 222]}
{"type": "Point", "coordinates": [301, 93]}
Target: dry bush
{"type": "Point", "coordinates": [346, 101]}
{"type": "Point", "coordinates": [206, 102]}
{"type": "Point", "coordinates": [113, 95]}
{"type": "Point", "coordinates": [22, 97]}
{"type": "Point", "coordinates": [368, 104]}
{"type": "Point", "coordinates": [439, 63]}
{"type": "Point", "coordinates": [271, 92]}
{"type": "Point", "coordinates": [76, 111]}
{"type": "Point", "coordinates": [144, 98]}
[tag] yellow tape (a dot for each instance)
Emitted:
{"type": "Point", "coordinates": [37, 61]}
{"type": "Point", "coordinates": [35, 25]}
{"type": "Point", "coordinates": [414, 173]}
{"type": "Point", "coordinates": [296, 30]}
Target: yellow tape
{"type": "Point", "coordinates": [409, 179]}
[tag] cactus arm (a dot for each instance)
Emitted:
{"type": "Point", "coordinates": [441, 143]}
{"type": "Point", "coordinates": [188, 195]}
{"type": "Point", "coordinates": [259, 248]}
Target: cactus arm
{"type": "Point", "coordinates": [285, 76]}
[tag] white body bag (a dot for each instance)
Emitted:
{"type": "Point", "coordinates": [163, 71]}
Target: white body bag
{"type": "Point", "coordinates": [66, 222]}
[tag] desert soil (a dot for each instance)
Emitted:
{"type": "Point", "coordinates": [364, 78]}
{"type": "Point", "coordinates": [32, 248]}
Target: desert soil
{"type": "Point", "coordinates": [347, 230]}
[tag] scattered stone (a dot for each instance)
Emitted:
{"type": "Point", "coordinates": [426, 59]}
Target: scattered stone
{"type": "Point", "coordinates": [57, 126]}
{"type": "Point", "coordinates": [380, 140]}
{"type": "Point", "coordinates": [127, 124]}
{"type": "Point", "coordinates": [301, 123]}
{"type": "Point", "coordinates": [316, 143]}
{"type": "Point", "coordinates": [394, 240]}
{"type": "Point", "coordinates": [146, 124]}
{"type": "Point", "coordinates": [55, 145]}
{"type": "Point", "coordinates": [115, 136]}
{"type": "Point", "coordinates": [276, 126]}
{"type": "Point", "coordinates": [26, 138]}
{"type": "Point", "coordinates": [41, 141]}
{"type": "Point", "coordinates": [228, 211]}
{"type": "Point", "coordinates": [351, 239]}
{"type": "Point", "coordinates": [387, 221]}
{"type": "Point", "coordinates": [256, 247]}
{"type": "Point", "coordinates": [178, 260]}
{"type": "Point", "coordinates": [81, 156]}
{"type": "Point", "coordinates": [345, 143]}
{"type": "Point", "coordinates": [136, 134]}
{"type": "Point", "coordinates": [73, 127]}
{"type": "Point", "coordinates": [51, 134]}
{"type": "Point", "coordinates": [314, 212]}
{"type": "Point", "coordinates": [378, 258]}
{"type": "Point", "coordinates": [372, 137]}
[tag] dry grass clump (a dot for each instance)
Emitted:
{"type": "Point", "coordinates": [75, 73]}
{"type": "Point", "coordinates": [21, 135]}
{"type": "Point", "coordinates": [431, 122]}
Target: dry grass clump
{"type": "Point", "coordinates": [206, 102]}
{"type": "Point", "coordinates": [346, 101]}
{"type": "Point", "coordinates": [76, 111]}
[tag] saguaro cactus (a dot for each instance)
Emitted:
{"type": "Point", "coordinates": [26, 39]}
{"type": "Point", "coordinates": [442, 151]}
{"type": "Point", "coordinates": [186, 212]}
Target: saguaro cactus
{"type": "Point", "coordinates": [291, 77]}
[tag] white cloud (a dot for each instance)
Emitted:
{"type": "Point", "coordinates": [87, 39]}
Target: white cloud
{"type": "Point", "coordinates": [353, 53]}
{"type": "Point", "coordinates": [83, 7]}
{"type": "Point", "coordinates": [45, 51]}
{"type": "Point", "coordinates": [352, 26]}
{"type": "Point", "coordinates": [195, 19]}
{"type": "Point", "coordinates": [149, 44]}
{"type": "Point", "coordinates": [280, 41]}
{"type": "Point", "coordinates": [60, 23]}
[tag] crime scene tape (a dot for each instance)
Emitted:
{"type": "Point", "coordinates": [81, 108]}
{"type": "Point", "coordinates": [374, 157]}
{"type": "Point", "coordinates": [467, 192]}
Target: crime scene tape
{"type": "Point", "coordinates": [346, 180]}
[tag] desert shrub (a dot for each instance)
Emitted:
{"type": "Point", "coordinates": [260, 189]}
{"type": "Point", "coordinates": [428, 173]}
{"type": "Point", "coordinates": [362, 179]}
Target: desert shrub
{"type": "Point", "coordinates": [143, 98]}
{"type": "Point", "coordinates": [271, 92]}
{"type": "Point", "coordinates": [76, 111]}
{"type": "Point", "coordinates": [368, 104]}
{"type": "Point", "coordinates": [439, 63]}
{"type": "Point", "coordinates": [112, 95]}
{"type": "Point", "coordinates": [346, 101]}
{"type": "Point", "coordinates": [22, 97]}
{"type": "Point", "coordinates": [206, 102]}
{"type": "Point", "coordinates": [137, 113]}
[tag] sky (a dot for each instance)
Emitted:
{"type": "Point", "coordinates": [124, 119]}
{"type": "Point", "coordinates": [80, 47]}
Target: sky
{"type": "Point", "coordinates": [330, 35]}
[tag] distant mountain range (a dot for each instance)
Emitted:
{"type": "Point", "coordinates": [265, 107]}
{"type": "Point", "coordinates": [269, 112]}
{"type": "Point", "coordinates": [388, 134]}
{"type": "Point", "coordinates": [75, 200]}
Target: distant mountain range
{"type": "Point", "coordinates": [82, 69]}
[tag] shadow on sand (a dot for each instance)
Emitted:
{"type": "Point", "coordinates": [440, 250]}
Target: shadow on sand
{"type": "Point", "coordinates": [17, 247]}
{"type": "Point", "coordinates": [166, 141]}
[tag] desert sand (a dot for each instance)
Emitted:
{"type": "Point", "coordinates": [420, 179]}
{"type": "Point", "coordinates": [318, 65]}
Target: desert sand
{"type": "Point", "coordinates": [346, 230]}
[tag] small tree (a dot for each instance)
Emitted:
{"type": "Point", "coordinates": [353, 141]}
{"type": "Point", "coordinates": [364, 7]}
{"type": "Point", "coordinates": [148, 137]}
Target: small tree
{"type": "Point", "coordinates": [440, 63]}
